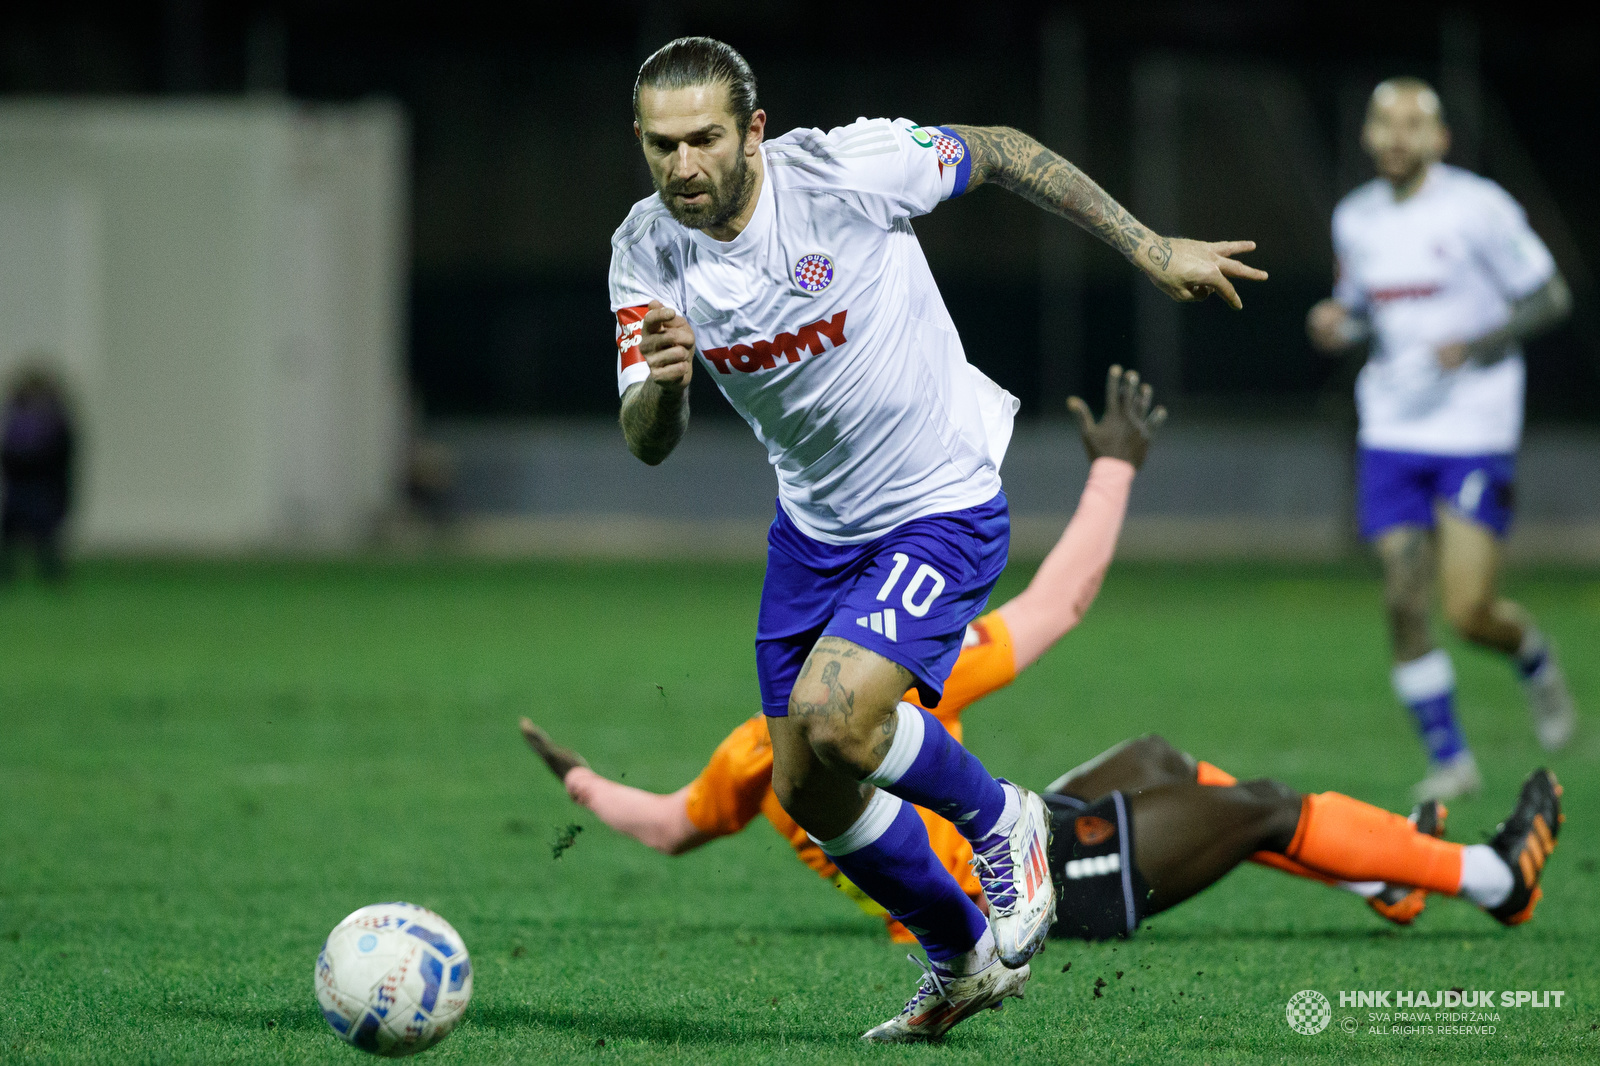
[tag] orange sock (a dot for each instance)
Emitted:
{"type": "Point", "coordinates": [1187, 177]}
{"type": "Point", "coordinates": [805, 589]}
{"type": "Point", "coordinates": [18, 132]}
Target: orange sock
{"type": "Point", "coordinates": [1215, 776]}
{"type": "Point", "coordinates": [1354, 841]}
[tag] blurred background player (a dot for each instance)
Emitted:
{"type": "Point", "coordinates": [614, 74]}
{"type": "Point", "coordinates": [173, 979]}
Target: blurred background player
{"type": "Point", "coordinates": [35, 473]}
{"type": "Point", "coordinates": [1439, 269]}
{"type": "Point", "coordinates": [816, 314]}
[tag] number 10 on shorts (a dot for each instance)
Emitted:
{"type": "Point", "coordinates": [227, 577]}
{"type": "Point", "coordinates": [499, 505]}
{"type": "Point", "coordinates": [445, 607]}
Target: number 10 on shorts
{"type": "Point", "coordinates": [920, 592]}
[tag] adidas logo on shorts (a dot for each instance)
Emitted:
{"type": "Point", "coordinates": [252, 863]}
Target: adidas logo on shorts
{"type": "Point", "coordinates": [880, 622]}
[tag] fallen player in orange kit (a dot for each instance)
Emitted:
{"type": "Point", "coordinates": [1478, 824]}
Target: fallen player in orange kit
{"type": "Point", "coordinates": [1166, 824]}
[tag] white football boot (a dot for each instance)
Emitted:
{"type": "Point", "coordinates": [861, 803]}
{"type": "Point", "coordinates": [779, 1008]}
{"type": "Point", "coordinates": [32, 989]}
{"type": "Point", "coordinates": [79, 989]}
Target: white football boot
{"type": "Point", "coordinates": [1555, 716]}
{"type": "Point", "coordinates": [944, 1000]}
{"type": "Point", "coordinates": [1014, 870]}
{"type": "Point", "coordinates": [1447, 780]}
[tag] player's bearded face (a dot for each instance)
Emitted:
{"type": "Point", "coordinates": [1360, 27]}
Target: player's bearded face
{"type": "Point", "coordinates": [707, 200]}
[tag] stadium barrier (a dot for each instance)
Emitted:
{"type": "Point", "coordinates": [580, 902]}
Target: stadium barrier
{"type": "Point", "coordinates": [1210, 491]}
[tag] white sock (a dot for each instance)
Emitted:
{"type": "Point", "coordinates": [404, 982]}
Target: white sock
{"type": "Point", "coordinates": [981, 957]}
{"type": "Point", "coordinates": [875, 820]}
{"type": "Point", "coordinates": [1485, 878]}
{"type": "Point", "coordinates": [1364, 889]}
{"type": "Point", "coordinates": [1011, 811]}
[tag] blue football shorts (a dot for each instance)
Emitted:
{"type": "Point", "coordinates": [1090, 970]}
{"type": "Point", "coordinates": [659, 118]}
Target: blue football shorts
{"type": "Point", "coordinates": [1400, 488]}
{"type": "Point", "coordinates": [908, 595]}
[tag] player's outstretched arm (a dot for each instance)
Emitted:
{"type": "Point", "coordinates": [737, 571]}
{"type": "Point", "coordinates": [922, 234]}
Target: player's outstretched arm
{"type": "Point", "coordinates": [1068, 580]}
{"type": "Point", "coordinates": [655, 412]}
{"type": "Point", "coordinates": [656, 821]}
{"type": "Point", "coordinates": [1541, 310]}
{"type": "Point", "coordinates": [1183, 269]}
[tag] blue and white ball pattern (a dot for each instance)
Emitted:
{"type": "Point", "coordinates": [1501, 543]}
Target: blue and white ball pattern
{"type": "Point", "coordinates": [393, 979]}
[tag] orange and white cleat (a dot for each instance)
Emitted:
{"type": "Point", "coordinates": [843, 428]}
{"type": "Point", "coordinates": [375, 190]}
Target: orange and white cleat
{"type": "Point", "coordinates": [1525, 841]}
{"type": "Point", "coordinates": [1401, 904]}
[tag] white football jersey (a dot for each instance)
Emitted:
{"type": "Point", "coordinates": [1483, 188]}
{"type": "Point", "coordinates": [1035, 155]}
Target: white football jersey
{"type": "Point", "coordinates": [822, 325]}
{"type": "Point", "coordinates": [1442, 266]}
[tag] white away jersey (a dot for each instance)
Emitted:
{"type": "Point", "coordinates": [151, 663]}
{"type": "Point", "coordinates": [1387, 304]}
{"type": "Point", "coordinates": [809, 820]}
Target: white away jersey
{"type": "Point", "coordinates": [1442, 266]}
{"type": "Point", "coordinates": [822, 325]}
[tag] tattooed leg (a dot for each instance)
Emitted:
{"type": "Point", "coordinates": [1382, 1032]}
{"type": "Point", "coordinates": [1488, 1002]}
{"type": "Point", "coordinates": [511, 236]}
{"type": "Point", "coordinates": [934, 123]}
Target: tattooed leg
{"type": "Point", "coordinates": [1407, 554]}
{"type": "Point", "coordinates": [832, 738]}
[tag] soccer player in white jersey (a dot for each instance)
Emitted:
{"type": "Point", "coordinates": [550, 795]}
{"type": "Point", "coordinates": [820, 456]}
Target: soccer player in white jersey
{"type": "Point", "coordinates": [790, 268]}
{"type": "Point", "coordinates": [1439, 270]}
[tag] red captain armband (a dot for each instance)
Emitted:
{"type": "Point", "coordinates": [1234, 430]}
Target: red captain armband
{"type": "Point", "coordinates": [630, 331]}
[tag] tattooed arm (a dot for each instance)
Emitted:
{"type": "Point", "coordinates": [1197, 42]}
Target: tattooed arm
{"type": "Point", "coordinates": [1183, 269]}
{"type": "Point", "coordinates": [1541, 310]}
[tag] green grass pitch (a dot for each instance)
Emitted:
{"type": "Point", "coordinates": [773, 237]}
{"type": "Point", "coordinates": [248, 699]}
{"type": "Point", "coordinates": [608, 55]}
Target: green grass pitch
{"type": "Point", "coordinates": [204, 767]}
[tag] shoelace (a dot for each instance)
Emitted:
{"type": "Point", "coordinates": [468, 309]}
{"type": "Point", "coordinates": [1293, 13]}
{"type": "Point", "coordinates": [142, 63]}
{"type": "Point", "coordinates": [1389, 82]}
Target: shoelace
{"type": "Point", "coordinates": [994, 868]}
{"type": "Point", "coordinates": [930, 985]}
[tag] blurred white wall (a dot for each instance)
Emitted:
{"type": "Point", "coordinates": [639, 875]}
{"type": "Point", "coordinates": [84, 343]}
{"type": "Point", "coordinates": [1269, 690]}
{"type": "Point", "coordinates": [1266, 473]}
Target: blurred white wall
{"type": "Point", "coordinates": [222, 285]}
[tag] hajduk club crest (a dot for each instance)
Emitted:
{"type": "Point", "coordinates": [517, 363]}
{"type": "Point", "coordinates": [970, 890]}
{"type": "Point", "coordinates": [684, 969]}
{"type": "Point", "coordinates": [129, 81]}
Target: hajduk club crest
{"type": "Point", "coordinates": [948, 149]}
{"type": "Point", "coordinates": [813, 272]}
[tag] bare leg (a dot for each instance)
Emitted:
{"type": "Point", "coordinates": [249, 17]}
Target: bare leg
{"type": "Point", "coordinates": [1150, 762]}
{"type": "Point", "coordinates": [839, 727]}
{"type": "Point", "coordinates": [824, 801]}
{"type": "Point", "coordinates": [1469, 572]}
{"type": "Point", "coordinates": [1187, 836]}
{"type": "Point", "coordinates": [1423, 675]}
{"type": "Point", "coordinates": [1130, 767]}
{"type": "Point", "coordinates": [843, 720]}
{"type": "Point", "coordinates": [1407, 555]}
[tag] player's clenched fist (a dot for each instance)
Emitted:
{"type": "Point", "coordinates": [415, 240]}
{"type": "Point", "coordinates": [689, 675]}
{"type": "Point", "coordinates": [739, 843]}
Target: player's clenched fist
{"type": "Point", "coordinates": [667, 345]}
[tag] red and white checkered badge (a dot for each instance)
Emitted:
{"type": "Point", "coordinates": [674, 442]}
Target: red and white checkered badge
{"type": "Point", "coordinates": [949, 149]}
{"type": "Point", "coordinates": [813, 272]}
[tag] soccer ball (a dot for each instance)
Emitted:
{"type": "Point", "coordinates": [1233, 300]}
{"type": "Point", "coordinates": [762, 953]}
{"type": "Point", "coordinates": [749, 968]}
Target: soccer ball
{"type": "Point", "coordinates": [393, 979]}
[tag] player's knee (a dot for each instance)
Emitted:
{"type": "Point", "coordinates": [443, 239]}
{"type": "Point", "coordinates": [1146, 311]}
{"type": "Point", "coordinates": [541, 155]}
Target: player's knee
{"type": "Point", "coordinates": [786, 787]}
{"type": "Point", "coordinates": [1275, 808]}
{"type": "Point", "coordinates": [1470, 616]}
{"type": "Point", "coordinates": [837, 746]}
{"type": "Point", "coordinates": [844, 742]}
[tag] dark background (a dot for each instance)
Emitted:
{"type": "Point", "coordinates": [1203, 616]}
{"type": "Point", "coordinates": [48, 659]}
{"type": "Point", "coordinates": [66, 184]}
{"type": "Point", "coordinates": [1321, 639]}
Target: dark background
{"type": "Point", "coordinates": [524, 161]}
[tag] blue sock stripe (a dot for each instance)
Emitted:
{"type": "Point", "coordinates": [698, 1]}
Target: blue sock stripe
{"type": "Point", "coordinates": [1436, 721]}
{"type": "Point", "coordinates": [1526, 668]}
{"type": "Point", "coordinates": [908, 737]}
